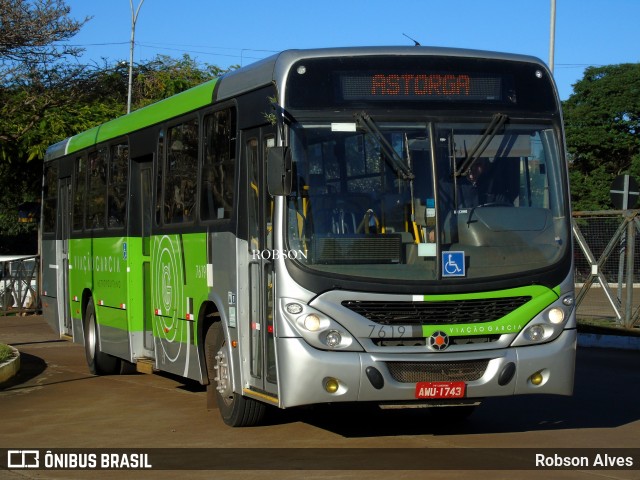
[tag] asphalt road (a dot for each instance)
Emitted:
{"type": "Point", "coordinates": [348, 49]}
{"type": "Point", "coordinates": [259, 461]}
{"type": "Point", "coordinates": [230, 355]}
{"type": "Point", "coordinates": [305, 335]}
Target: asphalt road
{"type": "Point", "coordinates": [54, 403]}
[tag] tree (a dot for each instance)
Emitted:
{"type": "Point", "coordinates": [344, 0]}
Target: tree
{"type": "Point", "coordinates": [31, 72]}
{"type": "Point", "coordinates": [30, 65]}
{"type": "Point", "coordinates": [44, 98]}
{"type": "Point", "coordinates": [30, 31]}
{"type": "Point", "coordinates": [602, 123]}
{"type": "Point", "coordinates": [52, 105]}
{"type": "Point", "coordinates": [165, 76]}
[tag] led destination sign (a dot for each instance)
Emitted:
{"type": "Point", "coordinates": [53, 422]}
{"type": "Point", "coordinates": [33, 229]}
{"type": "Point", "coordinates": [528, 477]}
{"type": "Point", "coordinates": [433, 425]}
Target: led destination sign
{"type": "Point", "coordinates": [420, 86]}
{"type": "Point", "coordinates": [417, 82]}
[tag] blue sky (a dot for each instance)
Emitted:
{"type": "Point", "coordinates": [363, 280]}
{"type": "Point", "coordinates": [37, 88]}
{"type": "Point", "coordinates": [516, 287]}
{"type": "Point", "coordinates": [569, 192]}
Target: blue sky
{"type": "Point", "coordinates": [239, 32]}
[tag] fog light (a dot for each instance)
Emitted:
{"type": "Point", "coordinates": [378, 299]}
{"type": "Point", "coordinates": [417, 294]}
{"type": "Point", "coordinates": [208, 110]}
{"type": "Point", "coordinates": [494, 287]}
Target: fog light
{"type": "Point", "coordinates": [333, 338]}
{"type": "Point", "coordinates": [294, 308]}
{"type": "Point", "coordinates": [312, 322]}
{"type": "Point", "coordinates": [555, 315]}
{"type": "Point", "coordinates": [535, 333]}
{"type": "Point", "coordinates": [331, 385]}
{"type": "Point", "coordinates": [536, 378]}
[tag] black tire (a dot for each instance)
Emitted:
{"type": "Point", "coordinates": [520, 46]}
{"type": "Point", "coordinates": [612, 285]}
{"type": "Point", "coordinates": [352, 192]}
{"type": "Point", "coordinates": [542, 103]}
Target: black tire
{"type": "Point", "coordinates": [235, 409]}
{"type": "Point", "coordinates": [99, 362]}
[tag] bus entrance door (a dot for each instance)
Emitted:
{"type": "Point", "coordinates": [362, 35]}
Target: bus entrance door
{"type": "Point", "coordinates": [141, 211]}
{"type": "Point", "coordinates": [64, 221]}
{"type": "Point", "coordinates": [263, 376]}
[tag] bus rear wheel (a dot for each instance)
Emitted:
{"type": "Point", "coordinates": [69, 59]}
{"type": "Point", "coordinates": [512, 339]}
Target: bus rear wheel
{"type": "Point", "coordinates": [235, 409]}
{"type": "Point", "coordinates": [99, 362]}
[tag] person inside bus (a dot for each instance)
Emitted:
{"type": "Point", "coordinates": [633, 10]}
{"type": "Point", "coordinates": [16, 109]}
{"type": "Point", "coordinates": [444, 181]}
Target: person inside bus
{"type": "Point", "coordinates": [477, 188]}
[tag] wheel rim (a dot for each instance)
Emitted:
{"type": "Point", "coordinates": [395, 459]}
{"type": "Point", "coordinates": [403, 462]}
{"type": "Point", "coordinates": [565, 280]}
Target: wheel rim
{"type": "Point", "coordinates": [91, 337]}
{"type": "Point", "coordinates": [223, 382]}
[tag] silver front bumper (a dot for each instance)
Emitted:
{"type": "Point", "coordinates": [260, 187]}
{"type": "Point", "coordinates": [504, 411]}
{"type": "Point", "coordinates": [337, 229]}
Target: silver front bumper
{"type": "Point", "coordinates": [302, 381]}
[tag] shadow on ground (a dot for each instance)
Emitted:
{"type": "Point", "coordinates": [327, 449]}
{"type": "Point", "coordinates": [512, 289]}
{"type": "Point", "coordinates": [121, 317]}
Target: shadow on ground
{"type": "Point", "coordinates": [607, 385]}
{"type": "Point", "coordinates": [30, 367]}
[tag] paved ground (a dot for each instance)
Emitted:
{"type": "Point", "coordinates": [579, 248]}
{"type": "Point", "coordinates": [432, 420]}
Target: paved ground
{"type": "Point", "coordinates": [596, 306]}
{"type": "Point", "coordinates": [55, 403]}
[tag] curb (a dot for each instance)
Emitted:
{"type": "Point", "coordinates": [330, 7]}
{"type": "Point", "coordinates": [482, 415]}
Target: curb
{"type": "Point", "coordinates": [597, 340]}
{"type": "Point", "coordinates": [11, 367]}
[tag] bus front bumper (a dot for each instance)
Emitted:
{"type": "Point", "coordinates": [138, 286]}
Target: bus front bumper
{"type": "Point", "coordinates": [318, 376]}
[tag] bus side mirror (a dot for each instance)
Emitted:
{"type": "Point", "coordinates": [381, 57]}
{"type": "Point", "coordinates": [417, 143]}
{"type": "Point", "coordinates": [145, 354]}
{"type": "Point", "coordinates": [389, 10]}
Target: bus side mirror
{"type": "Point", "coordinates": [279, 171]}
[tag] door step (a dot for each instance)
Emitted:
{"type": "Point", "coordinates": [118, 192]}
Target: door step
{"type": "Point", "coordinates": [66, 336]}
{"type": "Point", "coordinates": [145, 365]}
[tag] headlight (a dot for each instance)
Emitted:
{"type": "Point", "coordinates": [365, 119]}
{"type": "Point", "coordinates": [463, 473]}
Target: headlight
{"type": "Point", "coordinates": [555, 316]}
{"type": "Point", "coordinates": [534, 333]}
{"type": "Point", "coordinates": [312, 322]}
{"type": "Point", "coordinates": [548, 324]}
{"type": "Point", "coordinates": [333, 339]}
{"type": "Point", "coordinates": [293, 308]}
{"type": "Point", "coordinates": [318, 329]}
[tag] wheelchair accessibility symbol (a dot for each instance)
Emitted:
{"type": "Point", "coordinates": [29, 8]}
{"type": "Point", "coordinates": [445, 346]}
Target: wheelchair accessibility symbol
{"type": "Point", "coordinates": [453, 264]}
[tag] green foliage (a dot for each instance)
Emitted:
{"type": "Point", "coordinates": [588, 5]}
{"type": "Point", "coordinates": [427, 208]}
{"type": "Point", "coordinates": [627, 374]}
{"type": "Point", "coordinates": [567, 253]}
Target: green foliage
{"type": "Point", "coordinates": [166, 76]}
{"type": "Point", "coordinates": [602, 120]}
{"type": "Point", "coordinates": [20, 184]}
{"type": "Point", "coordinates": [5, 353]}
{"type": "Point", "coordinates": [48, 105]}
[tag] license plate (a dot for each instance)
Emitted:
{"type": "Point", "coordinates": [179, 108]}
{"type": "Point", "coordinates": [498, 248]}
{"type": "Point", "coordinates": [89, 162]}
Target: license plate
{"type": "Point", "coordinates": [440, 389]}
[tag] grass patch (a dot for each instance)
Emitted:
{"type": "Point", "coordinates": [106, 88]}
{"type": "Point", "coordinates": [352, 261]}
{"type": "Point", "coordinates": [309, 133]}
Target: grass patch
{"type": "Point", "coordinates": [5, 353]}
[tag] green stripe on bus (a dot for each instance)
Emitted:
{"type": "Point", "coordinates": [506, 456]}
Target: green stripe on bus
{"type": "Point", "coordinates": [541, 297]}
{"type": "Point", "coordinates": [171, 107]}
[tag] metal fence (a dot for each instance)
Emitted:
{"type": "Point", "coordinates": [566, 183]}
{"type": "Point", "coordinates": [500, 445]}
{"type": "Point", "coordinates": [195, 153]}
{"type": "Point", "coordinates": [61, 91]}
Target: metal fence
{"type": "Point", "coordinates": [607, 266]}
{"type": "Point", "coordinates": [19, 292]}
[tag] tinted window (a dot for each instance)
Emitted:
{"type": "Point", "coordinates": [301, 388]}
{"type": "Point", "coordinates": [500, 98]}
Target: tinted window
{"type": "Point", "coordinates": [218, 165]}
{"type": "Point", "coordinates": [80, 192]}
{"type": "Point", "coordinates": [159, 164]}
{"type": "Point", "coordinates": [97, 189]}
{"type": "Point", "coordinates": [181, 172]}
{"type": "Point", "coordinates": [118, 169]}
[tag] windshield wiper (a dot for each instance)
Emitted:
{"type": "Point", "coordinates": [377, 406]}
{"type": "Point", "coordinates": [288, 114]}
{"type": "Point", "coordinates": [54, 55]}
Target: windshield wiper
{"type": "Point", "coordinates": [364, 121]}
{"type": "Point", "coordinates": [497, 122]}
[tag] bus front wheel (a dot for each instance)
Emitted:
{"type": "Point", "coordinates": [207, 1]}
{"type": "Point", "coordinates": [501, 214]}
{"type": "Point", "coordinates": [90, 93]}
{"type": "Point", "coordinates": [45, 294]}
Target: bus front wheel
{"type": "Point", "coordinates": [99, 362]}
{"type": "Point", "coordinates": [236, 410]}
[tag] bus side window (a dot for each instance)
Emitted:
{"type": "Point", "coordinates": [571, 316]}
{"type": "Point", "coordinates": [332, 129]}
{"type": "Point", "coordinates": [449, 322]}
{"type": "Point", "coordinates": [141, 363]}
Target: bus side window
{"type": "Point", "coordinates": [97, 189]}
{"type": "Point", "coordinates": [79, 192]}
{"type": "Point", "coordinates": [159, 169]}
{"type": "Point", "coordinates": [182, 162]}
{"type": "Point", "coordinates": [117, 190]}
{"type": "Point", "coordinates": [216, 201]}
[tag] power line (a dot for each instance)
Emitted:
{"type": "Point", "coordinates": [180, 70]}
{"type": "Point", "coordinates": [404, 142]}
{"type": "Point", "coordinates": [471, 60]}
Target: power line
{"type": "Point", "coordinates": [216, 54]}
{"type": "Point", "coordinates": [165, 46]}
{"type": "Point", "coordinates": [186, 48]}
{"type": "Point", "coordinates": [578, 65]}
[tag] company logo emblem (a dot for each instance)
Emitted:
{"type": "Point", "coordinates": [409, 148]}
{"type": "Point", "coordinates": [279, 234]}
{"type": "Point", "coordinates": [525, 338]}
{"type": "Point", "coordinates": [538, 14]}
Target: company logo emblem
{"type": "Point", "coordinates": [23, 459]}
{"type": "Point", "coordinates": [439, 341]}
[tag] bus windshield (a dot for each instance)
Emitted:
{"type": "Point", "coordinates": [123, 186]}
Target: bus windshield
{"type": "Point", "coordinates": [423, 201]}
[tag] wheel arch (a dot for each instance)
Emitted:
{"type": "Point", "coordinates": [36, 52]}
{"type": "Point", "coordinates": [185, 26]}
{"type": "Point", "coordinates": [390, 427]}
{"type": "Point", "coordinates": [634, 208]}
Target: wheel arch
{"type": "Point", "coordinates": [209, 314]}
{"type": "Point", "coordinates": [87, 295]}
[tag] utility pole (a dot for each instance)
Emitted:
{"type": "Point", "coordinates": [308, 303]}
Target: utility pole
{"type": "Point", "coordinates": [134, 19]}
{"type": "Point", "coordinates": [552, 34]}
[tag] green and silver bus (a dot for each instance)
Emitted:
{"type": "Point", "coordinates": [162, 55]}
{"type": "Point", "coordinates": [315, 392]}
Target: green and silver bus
{"type": "Point", "coordinates": [312, 229]}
